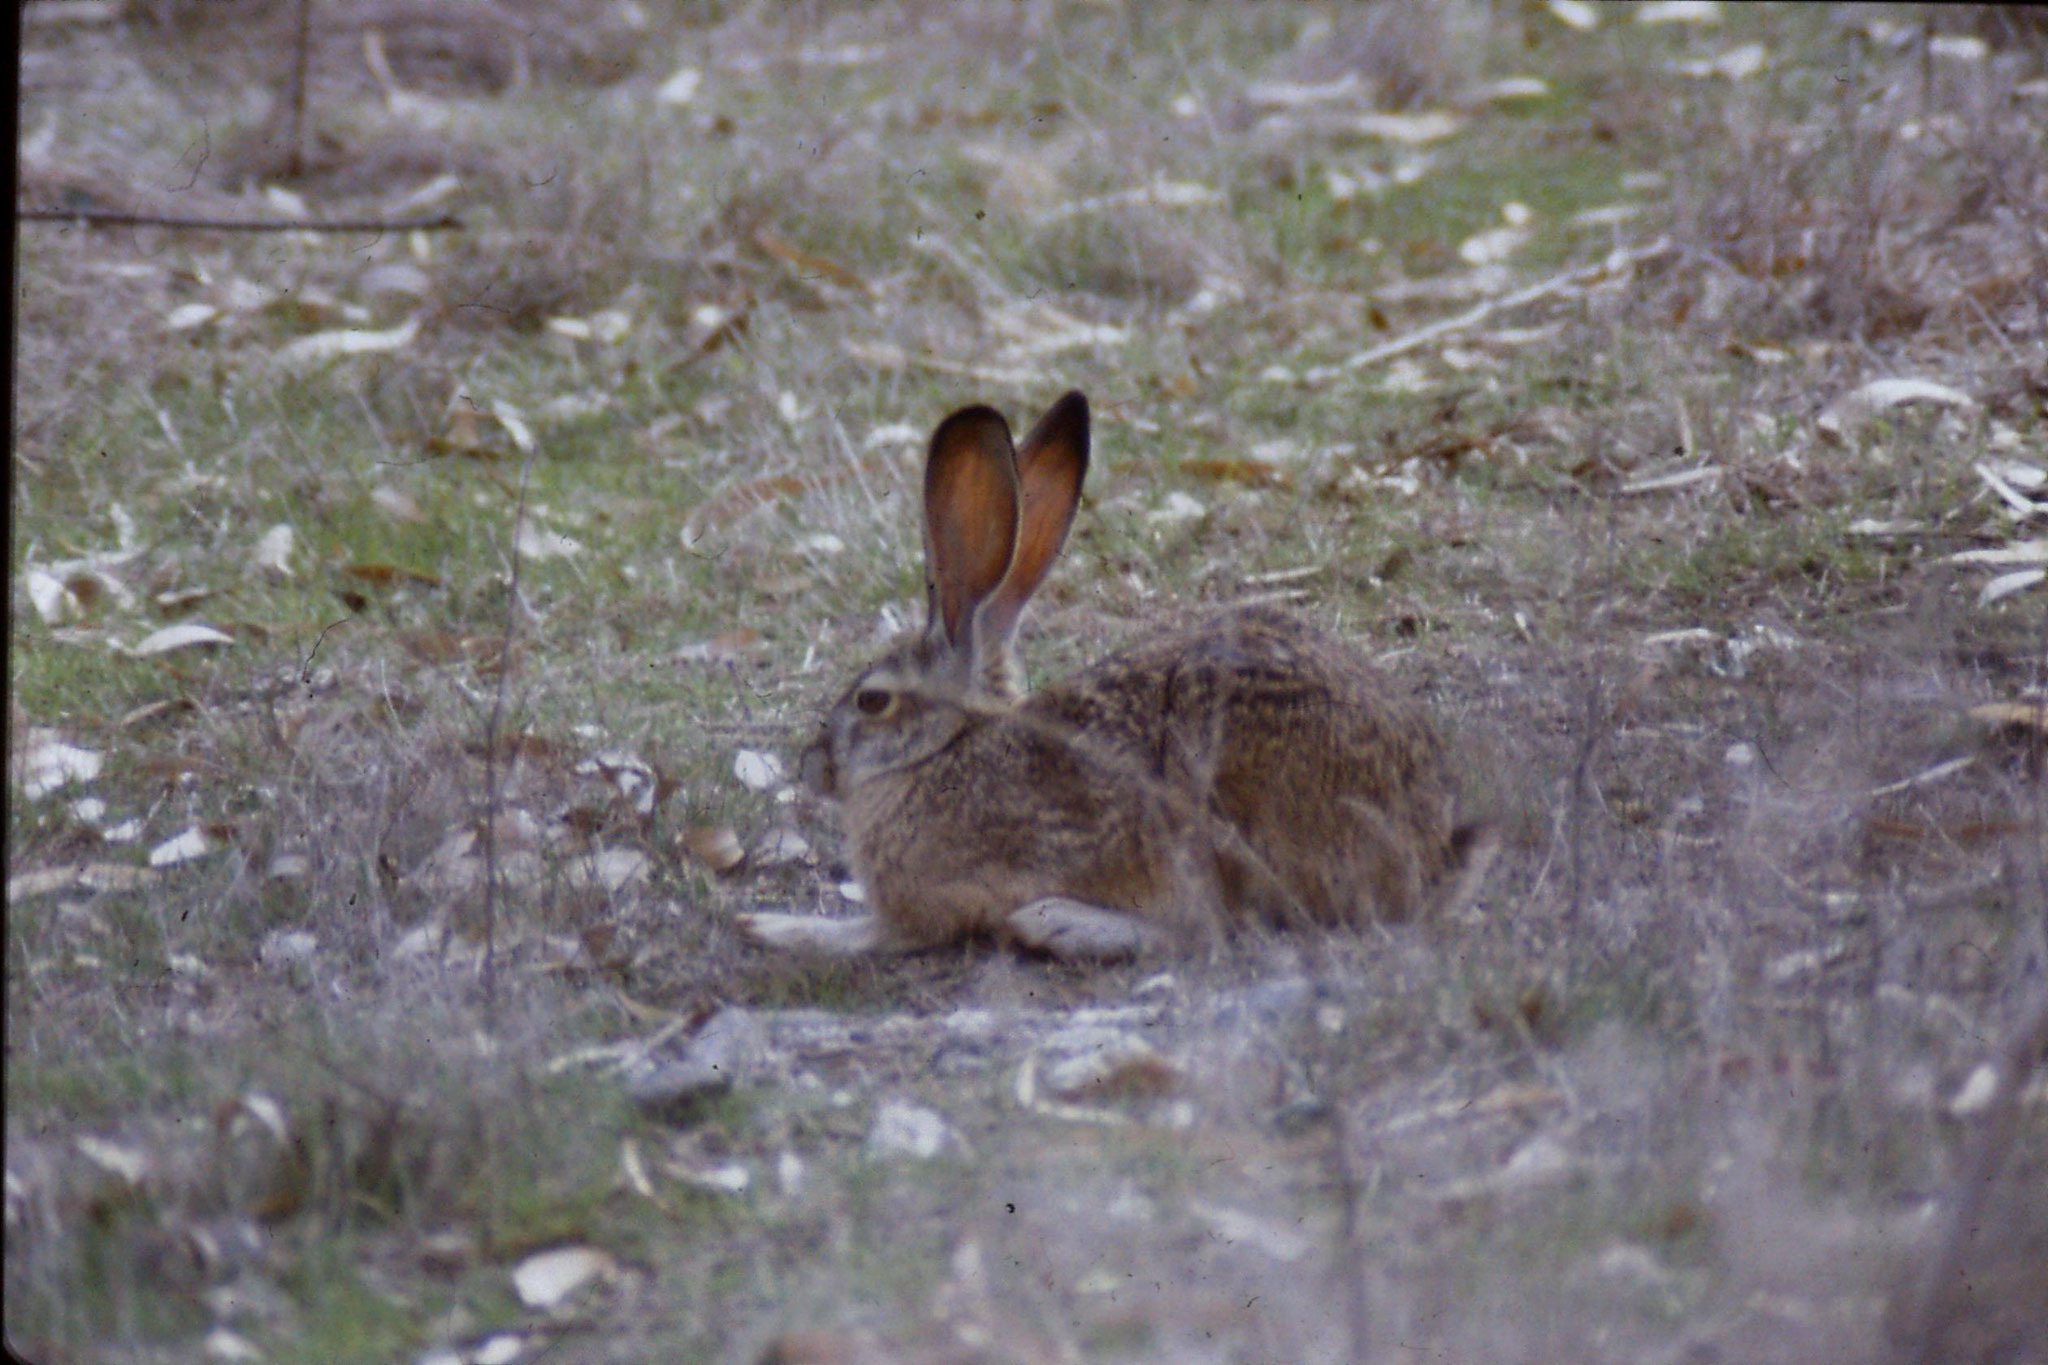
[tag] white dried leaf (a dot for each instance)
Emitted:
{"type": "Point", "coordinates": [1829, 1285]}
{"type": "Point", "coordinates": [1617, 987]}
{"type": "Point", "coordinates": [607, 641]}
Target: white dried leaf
{"type": "Point", "coordinates": [127, 1163]}
{"type": "Point", "coordinates": [571, 407]}
{"type": "Point", "coordinates": [324, 346]}
{"type": "Point", "coordinates": [223, 1343]}
{"type": "Point", "coordinates": [576, 329]}
{"type": "Point", "coordinates": [289, 867]}
{"type": "Point", "coordinates": [610, 326]}
{"type": "Point", "coordinates": [1958, 47]}
{"type": "Point", "coordinates": [2019, 552]}
{"type": "Point", "coordinates": [394, 504]}
{"type": "Point", "coordinates": [780, 847]}
{"type": "Point", "coordinates": [108, 877]}
{"type": "Point", "coordinates": [285, 203]}
{"type": "Point", "coordinates": [1180, 194]}
{"type": "Point", "coordinates": [823, 543]}
{"type": "Point", "coordinates": [186, 635]}
{"type": "Point", "coordinates": [1298, 95]}
{"type": "Point", "coordinates": [535, 543]}
{"type": "Point", "coordinates": [396, 277]}
{"type": "Point", "coordinates": [1678, 12]}
{"type": "Point", "coordinates": [50, 763]}
{"type": "Point", "coordinates": [680, 88]}
{"type": "Point", "coordinates": [1841, 418]}
{"type": "Point", "coordinates": [515, 424]}
{"type": "Point", "coordinates": [187, 316]}
{"type": "Point", "coordinates": [1178, 507]}
{"type": "Point", "coordinates": [52, 600]}
{"type": "Point", "coordinates": [611, 868]}
{"type": "Point", "coordinates": [433, 192]}
{"type": "Point", "coordinates": [1574, 14]}
{"type": "Point", "coordinates": [1609, 216]}
{"type": "Point", "coordinates": [757, 769]}
{"type": "Point", "coordinates": [730, 1178]}
{"type": "Point", "coordinates": [1236, 1228]}
{"type": "Point", "coordinates": [1493, 246]}
{"type": "Point", "coordinates": [1740, 63]}
{"type": "Point", "coordinates": [1977, 1093]}
{"type": "Point", "coordinates": [182, 848]}
{"type": "Point", "coordinates": [2006, 584]}
{"type": "Point", "coordinates": [911, 1130]}
{"type": "Point", "coordinates": [274, 551]}
{"type": "Point", "coordinates": [548, 1278]}
{"type": "Point", "coordinates": [1429, 125]}
{"type": "Point", "coordinates": [1998, 480]}
{"type": "Point", "coordinates": [40, 881]}
{"type": "Point", "coordinates": [500, 1348]}
{"type": "Point", "coordinates": [1510, 88]}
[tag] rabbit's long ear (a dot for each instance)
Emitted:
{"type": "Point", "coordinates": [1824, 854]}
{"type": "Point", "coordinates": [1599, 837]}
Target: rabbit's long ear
{"type": "Point", "coordinates": [1051, 464]}
{"type": "Point", "coordinates": [970, 518]}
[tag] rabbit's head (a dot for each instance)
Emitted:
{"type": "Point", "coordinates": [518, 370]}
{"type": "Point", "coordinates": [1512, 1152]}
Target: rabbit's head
{"type": "Point", "coordinates": [995, 519]}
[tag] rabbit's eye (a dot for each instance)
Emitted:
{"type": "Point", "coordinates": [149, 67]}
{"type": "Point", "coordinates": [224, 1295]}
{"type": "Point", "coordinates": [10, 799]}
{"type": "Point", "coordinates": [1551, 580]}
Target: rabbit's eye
{"type": "Point", "coordinates": [873, 701]}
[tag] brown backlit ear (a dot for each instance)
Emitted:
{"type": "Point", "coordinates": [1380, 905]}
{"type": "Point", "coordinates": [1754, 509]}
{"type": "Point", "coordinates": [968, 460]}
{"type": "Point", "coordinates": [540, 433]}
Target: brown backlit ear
{"type": "Point", "coordinates": [970, 517]}
{"type": "Point", "coordinates": [1051, 465]}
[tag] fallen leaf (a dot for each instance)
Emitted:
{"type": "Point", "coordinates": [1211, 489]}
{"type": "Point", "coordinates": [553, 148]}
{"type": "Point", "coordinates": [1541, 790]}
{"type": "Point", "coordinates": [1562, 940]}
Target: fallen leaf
{"type": "Point", "coordinates": [757, 769]}
{"type": "Point", "coordinates": [50, 763]}
{"type": "Point", "coordinates": [187, 316]}
{"type": "Point", "coordinates": [548, 1278]}
{"type": "Point", "coordinates": [1576, 14]}
{"type": "Point", "coordinates": [274, 551]}
{"type": "Point", "coordinates": [1678, 12]}
{"type": "Point", "coordinates": [1493, 246]}
{"type": "Point", "coordinates": [717, 848]}
{"type": "Point", "coordinates": [48, 595]}
{"type": "Point", "coordinates": [611, 868]}
{"type": "Point", "coordinates": [394, 504]}
{"type": "Point", "coordinates": [1411, 130]}
{"type": "Point", "coordinates": [808, 263]}
{"type": "Point", "coordinates": [2006, 584]}
{"type": "Point", "coordinates": [188, 635]}
{"type": "Point", "coordinates": [384, 575]}
{"type": "Point", "coordinates": [680, 88]}
{"type": "Point", "coordinates": [514, 422]}
{"type": "Point", "coordinates": [1178, 507]}
{"type": "Point", "coordinates": [779, 848]}
{"type": "Point", "coordinates": [193, 844]}
{"type": "Point", "coordinates": [325, 346]}
{"type": "Point", "coordinates": [2019, 552]}
{"type": "Point", "coordinates": [1297, 95]}
{"type": "Point", "coordinates": [535, 543]}
{"type": "Point", "coordinates": [1841, 418]}
{"type": "Point", "coordinates": [129, 1164]}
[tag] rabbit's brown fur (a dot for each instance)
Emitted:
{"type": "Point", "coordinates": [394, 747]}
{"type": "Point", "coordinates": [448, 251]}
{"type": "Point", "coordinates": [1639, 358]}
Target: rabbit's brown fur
{"type": "Point", "coordinates": [1252, 767]}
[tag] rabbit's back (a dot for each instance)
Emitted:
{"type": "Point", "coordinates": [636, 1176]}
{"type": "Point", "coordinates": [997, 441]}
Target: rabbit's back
{"type": "Point", "coordinates": [1293, 781]}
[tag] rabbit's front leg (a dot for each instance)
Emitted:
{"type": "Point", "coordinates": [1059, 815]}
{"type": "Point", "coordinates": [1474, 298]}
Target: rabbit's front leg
{"type": "Point", "coordinates": [1078, 932]}
{"type": "Point", "coordinates": [816, 934]}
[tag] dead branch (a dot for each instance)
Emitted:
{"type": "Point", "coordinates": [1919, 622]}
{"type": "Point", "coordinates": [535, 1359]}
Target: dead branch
{"type": "Point", "coordinates": [447, 222]}
{"type": "Point", "coordinates": [1615, 264]}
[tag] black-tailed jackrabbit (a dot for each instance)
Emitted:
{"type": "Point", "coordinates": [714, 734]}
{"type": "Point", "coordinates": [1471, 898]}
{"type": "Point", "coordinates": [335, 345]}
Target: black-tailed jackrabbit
{"type": "Point", "coordinates": [1250, 768]}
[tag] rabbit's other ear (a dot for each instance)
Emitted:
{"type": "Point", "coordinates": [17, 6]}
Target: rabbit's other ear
{"type": "Point", "coordinates": [1051, 464]}
{"type": "Point", "coordinates": [970, 518]}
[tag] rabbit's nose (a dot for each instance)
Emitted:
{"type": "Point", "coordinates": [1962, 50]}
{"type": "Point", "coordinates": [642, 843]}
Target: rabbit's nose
{"type": "Point", "coordinates": [814, 766]}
